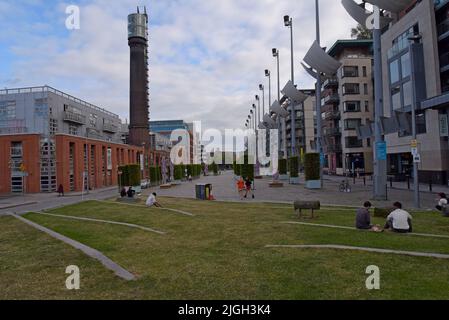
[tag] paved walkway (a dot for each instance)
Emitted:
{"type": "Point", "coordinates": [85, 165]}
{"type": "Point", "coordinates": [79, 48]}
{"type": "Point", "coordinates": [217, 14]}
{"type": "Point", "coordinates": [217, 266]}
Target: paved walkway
{"type": "Point", "coordinates": [384, 251]}
{"type": "Point", "coordinates": [224, 188]}
{"type": "Point", "coordinates": [97, 255]}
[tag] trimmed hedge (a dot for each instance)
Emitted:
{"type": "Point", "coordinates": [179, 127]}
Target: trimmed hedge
{"type": "Point", "coordinates": [214, 168]}
{"type": "Point", "coordinates": [282, 166]}
{"type": "Point", "coordinates": [130, 175]}
{"type": "Point", "coordinates": [312, 166]}
{"type": "Point", "coordinates": [155, 175]}
{"type": "Point", "coordinates": [294, 167]}
{"type": "Point", "coordinates": [178, 172]}
{"type": "Point", "coordinates": [382, 212]}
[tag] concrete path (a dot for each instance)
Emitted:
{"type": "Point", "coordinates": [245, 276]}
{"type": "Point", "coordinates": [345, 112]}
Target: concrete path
{"type": "Point", "coordinates": [224, 188]}
{"type": "Point", "coordinates": [130, 225]}
{"type": "Point", "coordinates": [142, 206]}
{"type": "Point", "coordinates": [384, 251]}
{"type": "Point", "coordinates": [95, 254]}
{"type": "Point", "coordinates": [354, 229]}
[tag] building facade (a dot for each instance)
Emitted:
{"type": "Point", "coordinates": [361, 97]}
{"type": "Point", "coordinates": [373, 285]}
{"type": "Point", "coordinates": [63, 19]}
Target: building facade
{"type": "Point", "coordinates": [49, 138]}
{"type": "Point", "coordinates": [428, 19]}
{"type": "Point", "coordinates": [347, 103]}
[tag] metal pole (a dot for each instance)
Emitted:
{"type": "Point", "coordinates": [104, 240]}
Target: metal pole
{"type": "Point", "coordinates": [293, 112]}
{"type": "Point", "coordinates": [263, 102]}
{"type": "Point", "coordinates": [417, 200]}
{"type": "Point", "coordinates": [380, 163]}
{"type": "Point", "coordinates": [319, 146]}
{"type": "Point", "coordinates": [269, 89]}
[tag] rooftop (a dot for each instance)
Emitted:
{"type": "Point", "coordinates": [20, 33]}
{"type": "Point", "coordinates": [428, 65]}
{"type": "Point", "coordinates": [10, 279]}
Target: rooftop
{"type": "Point", "coordinates": [339, 45]}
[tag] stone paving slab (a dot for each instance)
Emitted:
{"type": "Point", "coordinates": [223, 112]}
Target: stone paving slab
{"type": "Point", "coordinates": [384, 251]}
{"type": "Point", "coordinates": [95, 254]}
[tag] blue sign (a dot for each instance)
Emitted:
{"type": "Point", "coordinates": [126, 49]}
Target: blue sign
{"type": "Point", "coordinates": [381, 151]}
{"type": "Point", "coordinates": [322, 159]}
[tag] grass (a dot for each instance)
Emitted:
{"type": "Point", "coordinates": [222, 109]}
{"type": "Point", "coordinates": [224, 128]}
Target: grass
{"type": "Point", "coordinates": [218, 254]}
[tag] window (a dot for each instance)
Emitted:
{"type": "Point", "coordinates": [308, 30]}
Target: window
{"type": "Point", "coordinates": [350, 72]}
{"type": "Point", "coordinates": [365, 89]}
{"type": "Point", "coordinates": [366, 106]}
{"type": "Point", "coordinates": [408, 94]}
{"type": "Point", "coordinates": [93, 120]}
{"type": "Point", "coordinates": [421, 127]}
{"type": "Point", "coordinates": [73, 130]}
{"type": "Point", "coordinates": [394, 71]}
{"type": "Point", "coordinates": [7, 110]}
{"type": "Point", "coordinates": [352, 124]}
{"type": "Point", "coordinates": [406, 65]}
{"type": "Point", "coordinates": [351, 88]}
{"type": "Point", "coordinates": [352, 106]}
{"type": "Point", "coordinates": [353, 142]}
{"type": "Point", "coordinates": [53, 126]}
{"type": "Point", "coordinates": [365, 73]}
{"type": "Point", "coordinates": [396, 98]}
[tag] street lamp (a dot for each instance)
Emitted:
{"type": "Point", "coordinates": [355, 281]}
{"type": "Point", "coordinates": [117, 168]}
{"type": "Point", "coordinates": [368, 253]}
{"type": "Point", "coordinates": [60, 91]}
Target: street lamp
{"type": "Point", "coordinates": [268, 74]}
{"type": "Point", "coordinates": [257, 110]}
{"type": "Point", "coordinates": [281, 122]}
{"type": "Point", "coordinates": [262, 88]}
{"type": "Point", "coordinates": [288, 22]}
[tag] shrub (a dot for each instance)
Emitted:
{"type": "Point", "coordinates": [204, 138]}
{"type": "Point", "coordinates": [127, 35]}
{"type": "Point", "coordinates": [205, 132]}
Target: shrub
{"type": "Point", "coordinates": [178, 172]}
{"type": "Point", "coordinates": [312, 166]}
{"type": "Point", "coordinates": [155, 175]}
{"type": "Point", "coordinates": [294, 167]}
{"type": "Point", "coordinates": [214, 168]}
{"type": "Point", "coordinates": [282, 166]}
{"type": "Point", "coordinates": [130, 175]}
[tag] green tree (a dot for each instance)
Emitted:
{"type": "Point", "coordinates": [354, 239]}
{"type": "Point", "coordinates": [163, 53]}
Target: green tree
{"type": "Point", "coordinates": [361, 33]}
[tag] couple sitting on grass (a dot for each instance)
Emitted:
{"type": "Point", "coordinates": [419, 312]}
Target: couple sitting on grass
{"type": "Point", "coordinates": [399, 220]}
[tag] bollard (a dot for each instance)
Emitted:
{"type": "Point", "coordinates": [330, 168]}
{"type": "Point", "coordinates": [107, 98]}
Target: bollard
{"type": "Point", "coordinates": [364, 181]}
{"type": "Point", "coordinates": [408, 182]}
{"type": "Point", "coordinates": [430, 185]}
{"type": "Point", "coordinates": [391, 182]}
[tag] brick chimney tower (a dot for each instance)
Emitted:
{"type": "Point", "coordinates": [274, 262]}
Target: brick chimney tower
{"type": "Point", "coordinates": [139, 131]}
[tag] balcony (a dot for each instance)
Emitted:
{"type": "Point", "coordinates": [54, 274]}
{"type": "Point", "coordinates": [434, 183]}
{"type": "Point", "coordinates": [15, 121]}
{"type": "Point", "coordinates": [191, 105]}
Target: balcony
{"type": "Point", "coordinates": [330, 83]}
{"type": "Point", "coordinates": [108, 127]}
{"type": "Point", "coordinates": [74, 118]}
{"type": "Point", "coordinates": [332, 131]}
{"type": "Point", "coordinates": [332, 115]}
{"type": "Point", "coordinates": [331, 99]}
{"type": "Point", "coordinates": [444, 62]}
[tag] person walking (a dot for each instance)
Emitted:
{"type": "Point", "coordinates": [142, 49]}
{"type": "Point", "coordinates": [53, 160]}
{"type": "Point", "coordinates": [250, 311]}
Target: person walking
{"type": "Point", "coordinates": [241, 187]}
{"type": "Point", "coordinates": [61, 191]}
{"type": "Point", "coordinates": [249, 188]}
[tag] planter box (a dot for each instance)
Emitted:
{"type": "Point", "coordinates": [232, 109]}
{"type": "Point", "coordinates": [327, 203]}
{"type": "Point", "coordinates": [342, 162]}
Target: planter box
{"type": "Point", "coordinates": [294, 180]}
{"type": "Point", "coordinates": [284, 177]}
{"type": "Point", "coordinates": [165, 186]}
{"type": "Point", "coordinates": [313, 184]}
{"type": "Point", "coordinates": [176, 182]}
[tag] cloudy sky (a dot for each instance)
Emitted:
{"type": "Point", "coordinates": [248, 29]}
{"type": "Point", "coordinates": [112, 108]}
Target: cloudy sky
{"type": "Point", "coordinates": [207, 57]}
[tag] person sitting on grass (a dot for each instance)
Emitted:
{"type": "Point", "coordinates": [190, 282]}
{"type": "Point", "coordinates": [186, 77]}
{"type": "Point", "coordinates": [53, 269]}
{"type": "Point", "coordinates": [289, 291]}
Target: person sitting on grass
{"type": "Point", "coordinates": [363, 218]}
{"type": "Point", "coordinates": [443, 204]}
{"type": "Point", "coordinates": [399, 220]}
{"type": "Point", "coordinates": [123, 193]}
{"type": "Point", "coordinates": [152, 202]}
{"type": "Point", "coordinates": [131, 192]}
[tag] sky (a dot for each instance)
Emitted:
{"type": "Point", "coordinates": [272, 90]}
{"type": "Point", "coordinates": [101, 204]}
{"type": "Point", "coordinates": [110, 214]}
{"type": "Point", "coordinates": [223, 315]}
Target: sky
{"type": "Point", "coordinates": [207, 57]}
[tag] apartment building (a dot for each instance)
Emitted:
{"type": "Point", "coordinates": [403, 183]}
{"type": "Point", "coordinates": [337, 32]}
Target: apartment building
{"type": "Point", "coordinates": [347, 103]}
{"type": "Point", "coordinates": [48, 138]}
{"type": "Point", "coordinates": [428, 19]}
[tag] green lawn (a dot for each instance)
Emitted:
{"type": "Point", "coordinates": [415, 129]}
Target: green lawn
{"type": "Point", "coordinates": [217, 254]}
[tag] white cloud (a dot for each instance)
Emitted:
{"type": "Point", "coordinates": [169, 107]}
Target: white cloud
{"type": "Point", "coordinates": [206, 57]}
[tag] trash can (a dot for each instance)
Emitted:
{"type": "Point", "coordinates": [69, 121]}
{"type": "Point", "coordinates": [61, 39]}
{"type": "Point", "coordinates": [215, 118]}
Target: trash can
{"type": "Point", "coordinates": [208, 191]}
{"type": "Point", "coordinates": [200, 190]}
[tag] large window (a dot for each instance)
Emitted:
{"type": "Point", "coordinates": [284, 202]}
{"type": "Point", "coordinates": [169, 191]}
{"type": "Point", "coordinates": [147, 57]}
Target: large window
{"type": "Point", "coordinates": [350, 72]}
{"type": "Point", "coordinates": [394, 71]}
{"type": "Point", "coordinates": [396, 98]}
{"type": "Point", "coordinates": [406, 65]}
{"type": "Point", "coordinates": [353, 142]}
{"type": "Point", "coordinates": [352, 124]}
{"type": "Point", "coordinates": [7, 110]}
{"type": "Point", "coordinates": [408, 94]}
{"type": "Point", "coordinates": [352, 106]}
{"type": "Point", "coordinates": [351, 88]}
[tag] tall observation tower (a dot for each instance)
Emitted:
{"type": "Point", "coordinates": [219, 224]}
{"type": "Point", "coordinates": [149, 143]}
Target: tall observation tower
{"type": "Point", "coordinates": [139, 96]}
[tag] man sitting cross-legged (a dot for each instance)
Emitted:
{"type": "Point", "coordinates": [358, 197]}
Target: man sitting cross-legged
{"type": "Point", "coordinates": [152, 202]}
{"type": "Point", "coordinates": [399, 220]}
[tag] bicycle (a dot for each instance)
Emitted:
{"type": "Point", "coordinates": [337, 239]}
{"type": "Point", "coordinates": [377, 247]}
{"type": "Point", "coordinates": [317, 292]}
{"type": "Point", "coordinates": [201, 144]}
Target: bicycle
{"type": "Point", "coordinates": [345, 186]}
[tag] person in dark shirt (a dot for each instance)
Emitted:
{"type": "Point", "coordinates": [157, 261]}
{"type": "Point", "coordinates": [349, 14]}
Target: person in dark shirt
{"type": "Point", "coordinates": [131, 192]}
{"type": "Point", "coordinates": [363, 218]}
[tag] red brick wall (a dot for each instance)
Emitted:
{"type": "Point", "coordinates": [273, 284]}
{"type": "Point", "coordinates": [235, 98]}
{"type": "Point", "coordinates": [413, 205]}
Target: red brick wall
{"type": "Point", "coordinates": [31, 160]}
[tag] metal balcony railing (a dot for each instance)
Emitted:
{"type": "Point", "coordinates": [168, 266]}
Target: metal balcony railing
{"type": "Point", "coordinates": [332, 115]}
{"type": "Point", "coordinates": [108, 127]}
{"type": "Point", "coordinates": [330, 83]}
{"type": "Point", "coordinates": [332, 131]}
{"type": "Point", "coordinates": [331, 99]}
{"type": "Point", "coordinates": [74, 117]}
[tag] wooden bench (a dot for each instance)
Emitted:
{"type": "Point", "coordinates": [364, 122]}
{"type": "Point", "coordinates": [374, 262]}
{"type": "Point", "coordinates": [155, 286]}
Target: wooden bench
{"type": "Point", "coordinates": [276, 185]}
{"type": "Point", "coordinates": [307, 205]}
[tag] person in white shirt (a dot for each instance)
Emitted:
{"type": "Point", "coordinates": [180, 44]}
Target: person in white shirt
{"type": "Point", "coordinates": [399, 220]}
{"type": "Point", "coordinates": [152, 202]}
{"type": "Point", "coordinates": [443, 204]}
